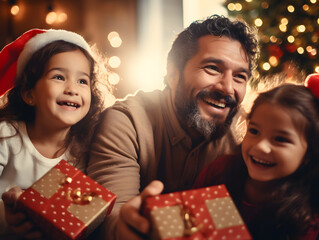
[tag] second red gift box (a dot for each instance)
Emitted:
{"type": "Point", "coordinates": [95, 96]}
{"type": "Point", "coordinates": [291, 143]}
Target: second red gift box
{"type": "Point", "coordinates": [206, 213]}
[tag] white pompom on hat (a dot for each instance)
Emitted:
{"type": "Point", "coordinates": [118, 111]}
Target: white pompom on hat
{"type": "Point", "coordinates": [15, 56]}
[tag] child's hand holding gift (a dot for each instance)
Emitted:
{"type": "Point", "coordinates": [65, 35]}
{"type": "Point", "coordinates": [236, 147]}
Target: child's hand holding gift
{"type": "Point", "coordinates": [17, 221]}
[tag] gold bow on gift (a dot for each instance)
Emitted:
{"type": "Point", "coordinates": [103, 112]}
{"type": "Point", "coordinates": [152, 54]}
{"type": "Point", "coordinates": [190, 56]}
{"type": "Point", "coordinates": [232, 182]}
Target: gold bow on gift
{"type": "Point", "coordinates": [75, 195]}
{"type": "Point", "coordinates": [189, 223]}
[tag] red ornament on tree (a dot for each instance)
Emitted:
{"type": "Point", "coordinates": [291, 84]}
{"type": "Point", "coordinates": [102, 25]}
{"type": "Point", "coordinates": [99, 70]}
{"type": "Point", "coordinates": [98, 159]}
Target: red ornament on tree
{"type": "Point", "coordinates": [312, 83]}
{"type": "Point", "coordinates": [291, 48]}
{"type": "Point", "coordinates": [275, 50]}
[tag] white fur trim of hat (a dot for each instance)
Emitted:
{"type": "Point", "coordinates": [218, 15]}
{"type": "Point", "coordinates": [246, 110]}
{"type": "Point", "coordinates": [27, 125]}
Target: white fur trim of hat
{"type": "Point", "coordinates": [15, 56]}
{"type": "Point", "coordinates": [42, 39]}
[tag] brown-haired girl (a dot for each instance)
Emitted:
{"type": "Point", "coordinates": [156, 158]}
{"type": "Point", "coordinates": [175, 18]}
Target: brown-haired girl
{"type": "Point", "coordinates": [51, 106]}
{"type": "Point", "coordinates": [274, 182]}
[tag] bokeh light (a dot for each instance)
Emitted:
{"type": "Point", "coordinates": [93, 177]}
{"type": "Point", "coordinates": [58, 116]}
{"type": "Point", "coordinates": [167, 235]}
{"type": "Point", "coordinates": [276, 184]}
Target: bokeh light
{"type": "Point", "coordinates": [114, 62]}
{"type": "Point", "coordinates": [15, 10]}
{"type": "Point", "coordinates": [51, 18]}
{"type": "Point", "coordinates": [114, 78]}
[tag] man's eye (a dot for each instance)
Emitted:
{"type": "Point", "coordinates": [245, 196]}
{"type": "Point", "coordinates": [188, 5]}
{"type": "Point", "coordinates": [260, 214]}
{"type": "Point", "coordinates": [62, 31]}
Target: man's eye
{"type": "Point", "coordinates": [242, 77]}
{"type": "Point", "coordinates": [212, 67]}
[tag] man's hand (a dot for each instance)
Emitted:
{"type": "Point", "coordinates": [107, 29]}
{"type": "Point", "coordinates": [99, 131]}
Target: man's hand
{"type": "Point", "coordinates": [18, 221]}
{"type": "Point", "coordinates": [131, 225]}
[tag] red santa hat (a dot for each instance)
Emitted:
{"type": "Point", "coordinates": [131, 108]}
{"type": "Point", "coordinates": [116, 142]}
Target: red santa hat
{"type": "Point", "coordinates": [15, 56]}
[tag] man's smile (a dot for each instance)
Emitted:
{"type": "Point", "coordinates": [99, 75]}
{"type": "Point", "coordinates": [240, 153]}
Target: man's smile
{"type": "Point", "coordinates": [214, 103]}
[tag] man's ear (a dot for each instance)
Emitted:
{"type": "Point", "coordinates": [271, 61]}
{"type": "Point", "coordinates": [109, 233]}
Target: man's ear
{"type": "Point", "coordinates": [172, 76]}
{"type": "Point", "coordinates": [27, 97]}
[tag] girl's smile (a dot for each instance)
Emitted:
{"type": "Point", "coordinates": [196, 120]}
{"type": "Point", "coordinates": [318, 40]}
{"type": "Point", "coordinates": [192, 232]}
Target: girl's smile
{"type": "Point", "coordinates": [262, 162]}
{"type": "Point", "coordinates": [68, 105]}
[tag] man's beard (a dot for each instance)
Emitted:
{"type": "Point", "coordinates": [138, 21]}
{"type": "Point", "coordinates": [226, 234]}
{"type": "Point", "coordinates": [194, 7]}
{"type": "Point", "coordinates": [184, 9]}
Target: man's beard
{"type": "Point", "coordinates": [189, 112]}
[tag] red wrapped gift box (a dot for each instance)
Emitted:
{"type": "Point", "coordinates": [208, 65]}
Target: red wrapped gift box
{"type": "Point", "coordinates": [206, 213]}
{"type": "Point", "coordinates": [65, 203]}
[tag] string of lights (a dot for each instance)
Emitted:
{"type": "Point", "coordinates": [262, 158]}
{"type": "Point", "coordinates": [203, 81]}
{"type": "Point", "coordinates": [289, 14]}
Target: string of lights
{"type": "Point", "coordinates": [288, 32]}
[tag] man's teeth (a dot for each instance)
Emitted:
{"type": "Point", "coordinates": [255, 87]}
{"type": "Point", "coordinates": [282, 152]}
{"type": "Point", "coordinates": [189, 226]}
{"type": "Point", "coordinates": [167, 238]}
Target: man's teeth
{"type": "Point", "coordinates": [215, 103]}
{"type": "Point", "coordinates": [262, 162]}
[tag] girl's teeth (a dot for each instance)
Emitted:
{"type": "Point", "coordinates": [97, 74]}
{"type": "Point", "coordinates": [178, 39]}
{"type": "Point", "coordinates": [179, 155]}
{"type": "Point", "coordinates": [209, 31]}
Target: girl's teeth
{"type": "Point", "coordinates": [69, 104]}
{"type": "Point", "coordinates": [256, 160]}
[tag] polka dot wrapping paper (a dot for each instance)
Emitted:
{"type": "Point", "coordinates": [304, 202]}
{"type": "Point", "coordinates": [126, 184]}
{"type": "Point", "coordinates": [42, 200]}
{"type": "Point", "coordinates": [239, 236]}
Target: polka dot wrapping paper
{"type": "Point", "coordinates": [205, 213]}
{"type": "Point", "coordinates": [65, 203]}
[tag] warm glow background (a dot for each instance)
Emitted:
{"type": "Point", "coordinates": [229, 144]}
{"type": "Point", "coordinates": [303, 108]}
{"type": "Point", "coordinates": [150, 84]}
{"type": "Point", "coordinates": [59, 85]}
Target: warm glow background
{"type": "Point", "coordinates": [134, 35]}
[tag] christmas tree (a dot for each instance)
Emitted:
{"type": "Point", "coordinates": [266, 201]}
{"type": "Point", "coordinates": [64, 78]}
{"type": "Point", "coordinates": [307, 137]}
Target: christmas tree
{"type": "Point", "coordinates": [288, 33]}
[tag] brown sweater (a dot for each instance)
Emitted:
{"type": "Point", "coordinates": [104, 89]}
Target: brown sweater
{"type": "Point", "coordinates": [140, 140]}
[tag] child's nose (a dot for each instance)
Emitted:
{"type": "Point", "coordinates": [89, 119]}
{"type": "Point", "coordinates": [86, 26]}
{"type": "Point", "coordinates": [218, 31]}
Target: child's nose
{"type": "Point", "coordinates": [70, 89]}
{"type": "Point", "coordinates": [264, 146]}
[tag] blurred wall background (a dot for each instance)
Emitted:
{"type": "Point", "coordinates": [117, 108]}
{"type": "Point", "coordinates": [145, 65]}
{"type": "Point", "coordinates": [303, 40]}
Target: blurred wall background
{"type": "Point", "coordinates": [134, 35]}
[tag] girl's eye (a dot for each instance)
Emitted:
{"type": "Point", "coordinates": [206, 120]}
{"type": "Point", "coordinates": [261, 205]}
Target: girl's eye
{"type": "Point", "coordinates": [253, 131]}
{"type": "Point", "coordinates": [281, 139]}
{"type": "Point", "coordinates": [59, 77]}
{"type": "Point", "coordinates": [83, 81]}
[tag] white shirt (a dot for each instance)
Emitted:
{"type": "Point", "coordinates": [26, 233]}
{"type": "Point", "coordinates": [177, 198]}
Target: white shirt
{"type": "Point", "coordinates": [20, 162]}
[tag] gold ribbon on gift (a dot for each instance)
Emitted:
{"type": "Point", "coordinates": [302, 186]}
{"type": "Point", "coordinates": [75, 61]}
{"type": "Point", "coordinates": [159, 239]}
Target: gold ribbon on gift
{"type": "Point", "coordinates": [189, 223]}
{"type": "Point", "coordinates": [76, 196]}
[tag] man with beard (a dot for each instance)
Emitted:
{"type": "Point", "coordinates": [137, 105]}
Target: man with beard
{"type": "Point", "coordinates": [171, 135]}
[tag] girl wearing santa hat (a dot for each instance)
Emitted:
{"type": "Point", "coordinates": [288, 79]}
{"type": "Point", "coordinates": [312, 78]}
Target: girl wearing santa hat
{"type": "Point", "coordinates": [275, 180]}
{"type": "Point", "coordinates": [50, 107]}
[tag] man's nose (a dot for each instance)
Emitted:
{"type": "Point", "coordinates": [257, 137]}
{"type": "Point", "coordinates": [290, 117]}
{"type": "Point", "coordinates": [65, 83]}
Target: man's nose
{"type": "Point", "coordinates": [225, 84]}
